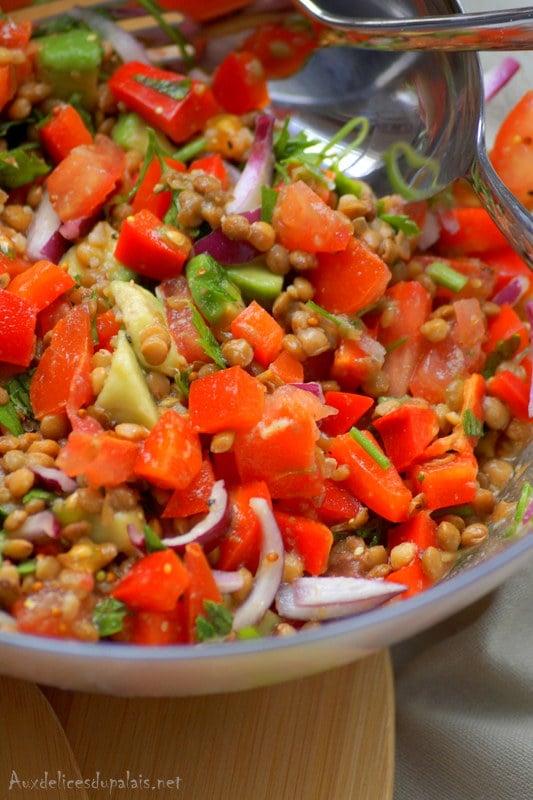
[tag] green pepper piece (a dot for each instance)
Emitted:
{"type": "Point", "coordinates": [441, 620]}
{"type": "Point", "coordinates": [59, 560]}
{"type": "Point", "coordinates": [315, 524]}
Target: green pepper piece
{"type": "Point", "coordinates": [131, 133]}
{"type": "Point", "coordinates": [256, 283]}
{"type": "Point", "coordinates": [70, 62]}
{"type": "Point", "coordinates": [215, 295]}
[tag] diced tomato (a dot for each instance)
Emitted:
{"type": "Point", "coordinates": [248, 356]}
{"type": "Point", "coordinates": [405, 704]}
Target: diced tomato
{"type": "Point", "coordinates": [303, 221]}
{"type": "Point", "coordinates": [212, 164]}
{"type": "Point", "coordinates": [202, 587]}
{"type": "Point", "coordinates": [171, 455]}
{"type": "Point", "coordinates": [449, 481]}
{"type": "Point", "coordinates": [380, 488]}
{"type": "Point", "coordinates": [356, 360]}
{"type": "Point", "coordinates": [64, 131]}
{"type": "Point", "coordinates": [101, 164]}
{"type": "Point", "coordinates": [512, 152]}
{"type": "Point", "coordinates": [156, 628]}
{"type": "Point", "coordinates": [505, 325]}
{"type": "Point", "coordinates": [179, 313]}
{"type": "Point", "coordinates": [337, 504]}
{"type": "Point", "coordinates": [173, 103]}
{"type": "Point", "coordinates": [203, 12]}
{"type": "Point", "coordinates": [507, 264]}
{"type": "Point", "coordinates": [103, 459]}
{"type": "Point", "coordinates": [412, 576]}
{"type": "Point", "coordinates": [146, 196]}
{"type": "Point", "coordinates": [286, 367]}
{"type": "Point", "coordinates": [150, 247]}
{"type": "Point", "coordinates": [280, 449]}
{"type": "Point", "coordinates": [8, 84]}
{"type": "Point", "coordinates": [153, 583]}
{"type": "Point", "coordinates": [409, 305]}
{"type": "Point", "coordinates": [282, 47]}
{"type": "Point", "coordinates": [439, 363]}
{"type": "Point", "coordinates": [239, 83]}
{"type": "Point", "coordinates": [468, 231]}
{"type": "Point", "coordinates": [107, 326]}
{"type": "Point", "coordinates": [421, 530]}
{"type": "Point", "coordinates": [41, 612]}
{"type": "Point", "coordinates": [228, 400]}
{"type": "Point", "coordinates": [481, 277]}
{"type": "Point", "coordinates": [513, 391]}
{"type": "Point", "coordinates": [349, 281]}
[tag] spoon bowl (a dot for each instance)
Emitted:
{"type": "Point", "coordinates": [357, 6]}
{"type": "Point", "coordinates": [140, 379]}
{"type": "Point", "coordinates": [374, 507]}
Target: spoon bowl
{"type": "Point", "coordinates": [425, 111]}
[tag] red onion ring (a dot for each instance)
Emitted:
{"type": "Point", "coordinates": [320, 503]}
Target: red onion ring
{"type": "Point", "coordinates": [324, 598]}
{"type": "Point", "coordinates": [208, 531]}
{"type": "Point", "coordinates": [258, 170]}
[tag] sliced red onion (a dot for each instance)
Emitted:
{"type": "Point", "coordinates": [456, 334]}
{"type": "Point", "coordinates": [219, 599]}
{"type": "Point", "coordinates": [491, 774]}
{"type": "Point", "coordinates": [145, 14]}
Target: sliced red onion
{"type": "Point", "coordinates": [269, 572]}
{"type": "Point", "coordinates": [529, 313]}
{"type": "Point", "coordinates": [311, 386]}
{"type": "Point", "coordinates": [126, 45]}
{"type": "Point", "coordinates": [54, 479]}
{"type": "Point", "coordinates": [208, 531]}
{"type": "Point", "coordinates": [136, 537]}
{"type": "Point", "coordinates": [35, 526]}
{"type": "Point", "coordinates": [430, 231]}
{"type": "Point", "coordinates": [228, 582]}
{"type": "Point", "coordinates": [226, 250]}
{"type": "Point", "coordinates": [496, 78]}
{"type": "Point", "coordinates": [513, 291]}
{"type": "Point", "coordinates": [76, 228]}
{"type": "Point", "coordinates": [43, 239]}
{"type": "Point", "coordinates": [323, 598]}
{"type": "Point", "coordinates": [449, 222]}
{"type": "Point", "coordinates": [258, 170]}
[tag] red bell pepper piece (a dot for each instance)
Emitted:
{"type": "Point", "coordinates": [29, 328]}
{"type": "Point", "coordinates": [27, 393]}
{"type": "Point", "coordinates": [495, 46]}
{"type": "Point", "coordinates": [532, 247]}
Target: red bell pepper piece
{"type": "Point", "coordinates": [171, 455]}
{"type": "Point", "coordinates": [447, 481]}
{"type": "Point", "coordinates": [303, 221]}
{"type": "Point", "coordinates": [503, 326]}
{"type": "Point", "coordinates": [406, 432]}
{"type": "Point", "coordinates": [349, 281]}
{"type": "Point", "coordinates": [241, 546]}
{"type": "Point", "coordinates": [154, 583]}
{"type": "Point", "coordinates": [378, 487]}
{"type": "Point", "coordinates": [412, 576]}
{"type": "Point", "coordinates": [170, 102]}
{"type": "Point", "coordinates": [64, 131]}
{"type": "Point", "coordinates": [228, 400]}
{"type": "Point", "coordinates": [472, 406]}
{"type": "Point", "coordinates": [107, 326]}
{"type": "Point", "coordinates": [17, 331]}
{"type": "Point", "coordinates": [8, 84]}
{"type": "Point", "coordinates": [194, 498]}
{"type": "Point", "coordinates": [146, 196]}
{"type": "Point", "coordinates": [420, 529]}
{"type": "Point", "coordinates": [310, 539]}
{"type": "Point", "coordinates": [62, 379]}
{"type": "Point", "coordinates": [355, 360]}
{"type": "Point", "coordinates": [15, 35]}
{"type": "Point", "coordinates": [513, 391]}
{"type": "Point", "coordinates": [202, 587]}
{"type": "Point", "coordinates": [239, 83]}
{"type": "Point", "coordinates": [212, 164]}
{"type": "Point", "coordinates": [103, 458]}
{"type": "Point", "coordinates": [287, 368]}
{"type": "Point", "coordinates": [150, 247]}
{"type": "Point", "coordinates": [41, 284]}
{"type": "Point", "coordinates": [507, 264]}
{"type": "Point", "coordinates": [337, 504]}
{"type": "Point", "coordinates": [255, 324]}
{"type": "Point", "coordinates": [350, 407]}
{"type": "Point", "coordinates": [468, 231]}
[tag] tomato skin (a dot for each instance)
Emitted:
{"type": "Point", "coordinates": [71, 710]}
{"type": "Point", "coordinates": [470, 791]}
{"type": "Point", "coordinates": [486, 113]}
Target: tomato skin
{"type": "Point", "coordinates": [241, 545]}
{"type": "Point", "coordinates": [309, 538]}
{"type": "Point", "coordinates": [281, 48]}
{"type": "Point", "coordinates": [64, 131]}
{"type": "Point", "coordinates": [239, 83]}
{"type": "Point", "coordinates": [303, 221]}
{"type": "Point", "coordinates": [17, 334]}
{"type": "Point", "coordinates": [145, 196]}
{"type": "Point", "coordinates": [101, 164]}
{"type": "Point", "coordinates": [512, 152]}
{"type": "Point", "coordinates": [178, 119]}
{"type": "Point", "coordinates": [230, 399]}
{"type": "Point", "coordinates": [261, 331]}
{"type": "Point", "coordinates": [150, 247]}
{"type": "Point", "coordinates": [103, 459]}
{"type": "Point", "coordinates": [178, 309]}
{"type": "Point", "coordinates": [41, 284]}
{"type": "Point", "coordinates": [171, 455]}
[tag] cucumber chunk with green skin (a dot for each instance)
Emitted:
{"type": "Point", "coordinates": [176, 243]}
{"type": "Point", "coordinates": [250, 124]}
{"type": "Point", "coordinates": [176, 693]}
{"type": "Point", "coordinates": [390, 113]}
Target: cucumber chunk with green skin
{"type": "Point", "coordinates": [131, 133]}
{"type": "Point", "coordinates": [217, 298]}
{"type": "Point", "coordinates": [70, 63]}
{"type": "Point", "coordinates": [256, 283]}
{"type": "Point", "coordinates": [125, 394]}
{"type": "Point", "coordinates": [109, 525]}
{"type": "Point", "coordinates": [140, 311]}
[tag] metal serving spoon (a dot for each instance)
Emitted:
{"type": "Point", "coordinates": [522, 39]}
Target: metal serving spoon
{"type": "Point", "coordinates": [510, 29]}
{"type": "Point", "coordinates": [425, 110]}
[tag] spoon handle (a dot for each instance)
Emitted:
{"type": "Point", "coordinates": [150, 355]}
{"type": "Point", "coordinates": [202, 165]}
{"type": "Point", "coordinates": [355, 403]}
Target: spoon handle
{"type": "Point", "coordinates": [511, 29]}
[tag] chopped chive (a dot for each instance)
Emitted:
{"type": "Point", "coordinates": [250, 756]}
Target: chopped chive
{"type": "Point", "coordinates": [191, 149]}
{"type": "Point", "coordinates": [26, 567]}
{"type": "Point", "coordinates": [269, 198]}
{"type": "Point", "coordinates": [401, 222]}
{"type": "Point", "coordinates": [446, 276]}
{"type": "Point", "coordinates": [472, 425]}
{"type": "Point", "coordinates": [522, 509]}
{"type": "Point", "coordinates": [379, 457]}
{"type": "Point", "coordinates": [343, 324]}
{"type": "Point", "coordinates": [398, 343]}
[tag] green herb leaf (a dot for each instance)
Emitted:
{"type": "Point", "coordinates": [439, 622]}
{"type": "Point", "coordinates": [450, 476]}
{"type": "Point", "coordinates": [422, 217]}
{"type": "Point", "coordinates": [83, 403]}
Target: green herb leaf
{"type": "Point", "coordinates": [153, 542]}
{"type": "Point", "coordinates": [10, 419]}
{"type": "Point", "coordinates": [216, 624]}
{"type": "Point", "coordinates": [446, 276]}
{"type": "Point", "coordinates": [401, 222]}
{"type": "Point", "coordinates": [207, 339]}
{"type": "Point", "coordinates": [18, 406]}
{"type": "Point", "coordinates": [20, 166]}
{"type": "Point", "coordinates": [345, 326]}
{"type": "Point", "coordinates": [472, 426]}
{"type": "Point", "coordinates": [269, 198]}
{"type": "Point", "coordinates": [373, 451]}
{"type": "Point", "coordinates": [176, 90]}
{"type": "Point", "coordinates": [108, 616]}
{"type": "Point", "coordinates": [398, 343]}
{"type": "Point", "coordinates": [522, 506]}
{"type": "Point", "coordinates": [26, 567]}
{"type": "Point", "coordinates": [39, 494]}
{"type": "Point", "coordinates": [173, 32]}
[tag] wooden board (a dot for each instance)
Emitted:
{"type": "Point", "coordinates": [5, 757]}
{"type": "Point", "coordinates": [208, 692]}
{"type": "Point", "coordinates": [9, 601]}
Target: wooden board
{"type": "Point", "coordinates": [329, 736]}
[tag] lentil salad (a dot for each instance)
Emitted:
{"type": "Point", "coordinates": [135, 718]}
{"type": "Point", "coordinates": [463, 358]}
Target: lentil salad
{"type": "Point", "coordinates": [230, 412]}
